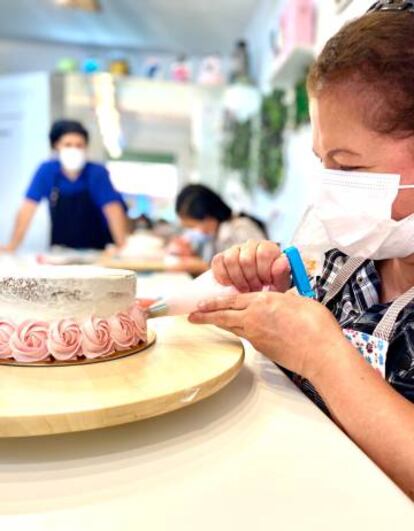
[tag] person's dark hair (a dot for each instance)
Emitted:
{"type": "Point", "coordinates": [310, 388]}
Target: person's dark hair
{"type": "Point", "coordinates": [64, 127]}
{"type": "Point", "coordinates": [373, 57]}
{"type": "Point", "coordinates": [199, 202]}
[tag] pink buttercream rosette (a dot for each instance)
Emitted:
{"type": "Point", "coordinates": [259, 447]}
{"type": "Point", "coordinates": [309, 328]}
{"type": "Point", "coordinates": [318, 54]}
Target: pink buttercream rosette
{"type": "Point", "coordinates": [138, 316]}
{"type": "Point", "coordinates": [64, 341]}
{"type": "Point", "coordinates": [7, 329]}
{"type": "Point", "coordinates": [96, 338]}
{"type": "Point", "coordinates": [123, 331]}
{"type": "Point", "coordinates": [29, 342]}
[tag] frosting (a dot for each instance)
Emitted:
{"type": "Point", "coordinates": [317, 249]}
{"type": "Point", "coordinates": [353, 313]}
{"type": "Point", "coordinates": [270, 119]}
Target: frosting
{"type": "Point", "coordinates": [64, 339]}
{"type": "Point", "coordinates": [124, 331]}
{"type": "Point", "coordinates": [144, 246]}
{"type": "Point", "coordinates": [138, 316]}
{"type": "Point", "coordinates": [6, 331]}
{"type": "Point", "coordinates": [96, 338]}
{"type": "Point", "coordinates": [54, 292]}
{"type": "Point", "coordinates": [108, 319]}
{"type": "Point", "coordinates": [28, 342]}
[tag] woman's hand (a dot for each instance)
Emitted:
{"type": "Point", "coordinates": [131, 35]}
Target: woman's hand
{"type": "Point", "coordinates": [251, 266]}
{"type": "Point", "coordinates": [298, 333]}
{"type": "Point", "coordinates": [180, 246]}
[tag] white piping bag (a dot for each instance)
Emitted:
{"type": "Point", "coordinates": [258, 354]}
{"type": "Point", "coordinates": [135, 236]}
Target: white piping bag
{"type": "Point", "coordinates": [186, 300]}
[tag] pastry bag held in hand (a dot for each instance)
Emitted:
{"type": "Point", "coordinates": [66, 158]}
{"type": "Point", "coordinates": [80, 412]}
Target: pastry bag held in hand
{"type": "Point", "coordinates": [206, 287]}
{"type": "Point", "coordinates": [186, 300]}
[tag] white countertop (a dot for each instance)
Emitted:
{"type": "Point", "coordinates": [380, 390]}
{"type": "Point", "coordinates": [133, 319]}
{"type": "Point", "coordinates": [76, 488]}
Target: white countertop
{"type": "Point", "coordinates": [258, 455]}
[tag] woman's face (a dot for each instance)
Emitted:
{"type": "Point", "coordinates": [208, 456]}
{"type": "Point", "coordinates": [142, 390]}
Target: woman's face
{"type": "Point", "coordinates": [207, 226]}
{"type": "Point", "coordinates": [341, 141]}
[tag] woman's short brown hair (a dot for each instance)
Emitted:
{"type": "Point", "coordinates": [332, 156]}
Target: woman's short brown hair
{"type": "Point", "coordinates": [374, 57]}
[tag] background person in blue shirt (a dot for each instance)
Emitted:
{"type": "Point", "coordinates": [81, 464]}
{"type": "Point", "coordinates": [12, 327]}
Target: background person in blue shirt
{"type": "Point", "coordinates": [86, 211]}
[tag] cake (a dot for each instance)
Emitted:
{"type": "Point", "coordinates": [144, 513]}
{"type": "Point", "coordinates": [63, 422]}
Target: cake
{"type": "Point", "coordinates": [68, 313]}
{"type": "Point", "coordinates": [143, 246]}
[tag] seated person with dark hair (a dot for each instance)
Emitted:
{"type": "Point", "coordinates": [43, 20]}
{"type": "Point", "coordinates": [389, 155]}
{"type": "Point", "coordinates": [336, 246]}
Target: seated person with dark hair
{"type": "Point", "coordinates": [211, 222]}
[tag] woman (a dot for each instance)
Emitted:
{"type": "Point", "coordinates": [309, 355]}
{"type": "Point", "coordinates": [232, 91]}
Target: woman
{"type": "Point", "coordinates": [85, 210]}
{"type": "Point", "coordinates": [362, 113]}
{"type": "Point", "coordinates": [211, 223]}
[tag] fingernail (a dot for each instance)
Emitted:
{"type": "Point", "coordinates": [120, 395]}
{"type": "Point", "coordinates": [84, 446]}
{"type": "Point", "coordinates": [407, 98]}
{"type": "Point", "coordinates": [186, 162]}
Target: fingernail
{"type": "Point", "coordinates": [196, 318]}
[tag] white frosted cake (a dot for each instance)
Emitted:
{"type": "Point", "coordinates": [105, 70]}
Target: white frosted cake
{"type": "Point", "coordinates": [68, 313]}
{"type": "Point", "coordinates": [143, 246]}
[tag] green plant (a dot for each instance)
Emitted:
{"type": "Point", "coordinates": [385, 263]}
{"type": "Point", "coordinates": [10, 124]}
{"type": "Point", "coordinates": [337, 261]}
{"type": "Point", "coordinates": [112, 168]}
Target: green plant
{"type": "Point", "coordinates": [273, 118]}
{"type": "Point", "coordinates": [237, 152]}
{"type": "Point", "coordinates": [302, 104]}
{"type": "Point", "coordinates": [239, 137]}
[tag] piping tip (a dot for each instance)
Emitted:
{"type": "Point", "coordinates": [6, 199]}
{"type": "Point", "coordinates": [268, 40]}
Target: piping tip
{"type": "Point", "coordinates": [158, 309]}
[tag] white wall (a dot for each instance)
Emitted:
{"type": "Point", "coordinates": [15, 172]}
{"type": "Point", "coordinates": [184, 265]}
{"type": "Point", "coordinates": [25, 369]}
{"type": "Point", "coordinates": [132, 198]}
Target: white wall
{"type": "Point", "coordinates": [24, 127]}
{"type": "Point", "coordinates": [258, 36]}
{"type": "Point", "coordinates": [329, 21]}
{"type": "Point", "coordinates": [294, 196]}
{"type": "Point", "coordinates": [284, 209]}
{"type": "Point", "coordinates": [287, 206]}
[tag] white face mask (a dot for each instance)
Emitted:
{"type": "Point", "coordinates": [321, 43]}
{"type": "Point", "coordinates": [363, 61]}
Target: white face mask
{"type": "Point", "coordinates": [72, 159]}
{"type": "Point", "coordinates": [197, 237]}
{"type": "Point", "coordinates": [352, 213]}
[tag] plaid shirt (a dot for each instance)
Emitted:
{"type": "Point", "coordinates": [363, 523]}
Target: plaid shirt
{"type": "Point", "coordinates": [357, 306]}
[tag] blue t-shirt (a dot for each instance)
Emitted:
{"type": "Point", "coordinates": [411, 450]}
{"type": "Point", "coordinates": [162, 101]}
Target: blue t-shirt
{"type": "Point", "coordinates": [94, 178]}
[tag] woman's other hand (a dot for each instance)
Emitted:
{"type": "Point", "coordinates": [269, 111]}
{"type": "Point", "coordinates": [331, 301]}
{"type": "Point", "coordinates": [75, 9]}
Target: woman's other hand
{"type": "Point", "coordinates": [298, 333]}
{"type": "Point", "coordinates": [251, 266]}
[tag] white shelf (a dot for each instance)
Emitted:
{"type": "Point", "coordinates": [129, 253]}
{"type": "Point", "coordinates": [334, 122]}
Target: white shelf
{"type": "Point", "coordinates": [291, 68]}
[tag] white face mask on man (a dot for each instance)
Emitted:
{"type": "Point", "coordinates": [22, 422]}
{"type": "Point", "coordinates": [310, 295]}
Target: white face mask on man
{"type": "Point", "coordinates": [72, 159]}
{"type": "Point", "coordinates": [352, 213]}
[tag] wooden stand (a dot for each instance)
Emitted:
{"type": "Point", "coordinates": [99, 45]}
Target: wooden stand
{"type": "Point", "coordinates": [186, 364]}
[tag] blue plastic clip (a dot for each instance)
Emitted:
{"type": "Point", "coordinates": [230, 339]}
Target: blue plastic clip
{"type": "Point", "coordinates": [299, 274]}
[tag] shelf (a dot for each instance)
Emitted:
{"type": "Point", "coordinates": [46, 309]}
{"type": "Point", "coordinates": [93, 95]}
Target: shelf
{"type": "Point", "coordinates": [291, 68]}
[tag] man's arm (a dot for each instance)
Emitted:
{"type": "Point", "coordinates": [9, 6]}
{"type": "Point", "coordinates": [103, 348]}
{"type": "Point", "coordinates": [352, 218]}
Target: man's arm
{"type": "Point", "coordinates": [117, 222]}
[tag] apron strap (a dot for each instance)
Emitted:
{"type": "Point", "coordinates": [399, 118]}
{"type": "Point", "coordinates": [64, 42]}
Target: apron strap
{"type": "Point", "coordinates": [385, 327]}
{"type": "Point", "coordinates": [348, 269]}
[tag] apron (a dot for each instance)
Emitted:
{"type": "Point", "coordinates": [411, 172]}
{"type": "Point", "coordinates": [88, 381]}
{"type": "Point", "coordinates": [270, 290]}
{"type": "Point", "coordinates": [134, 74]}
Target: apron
{"type": "Point", "coordinates": [373, 347]}
{"type": "Point", "coordinates": [76, 221]}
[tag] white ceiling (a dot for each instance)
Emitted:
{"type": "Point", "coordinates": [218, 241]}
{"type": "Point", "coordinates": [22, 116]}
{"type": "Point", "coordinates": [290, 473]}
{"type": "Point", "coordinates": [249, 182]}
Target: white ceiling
{"type": "Point", "coordinates": [193, 26]}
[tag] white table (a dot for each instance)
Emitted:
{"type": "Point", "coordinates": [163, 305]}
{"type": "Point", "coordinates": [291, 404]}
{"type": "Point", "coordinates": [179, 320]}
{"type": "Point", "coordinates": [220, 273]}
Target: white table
{"type": "Point", "coordinates": [256, 456]}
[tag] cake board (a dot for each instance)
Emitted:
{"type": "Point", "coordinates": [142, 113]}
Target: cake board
{"type": "Point", "coordinates": [185, 364]}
